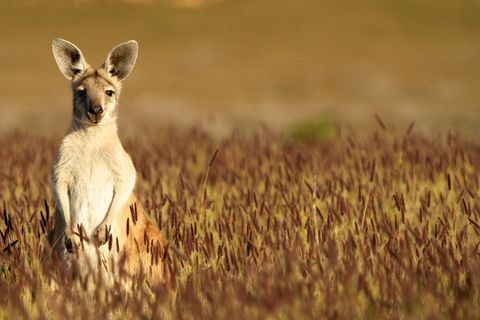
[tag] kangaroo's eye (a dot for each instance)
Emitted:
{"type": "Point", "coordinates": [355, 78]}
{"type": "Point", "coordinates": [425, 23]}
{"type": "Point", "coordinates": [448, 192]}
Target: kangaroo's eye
{"type": "Point", "coordinates": [109, 93]}
{"type": "Point", "coordinates": [81, 93]}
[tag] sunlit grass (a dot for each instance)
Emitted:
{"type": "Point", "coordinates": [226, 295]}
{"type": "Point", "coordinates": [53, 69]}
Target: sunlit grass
{"type": "Point", "coordinates": [354, 226]}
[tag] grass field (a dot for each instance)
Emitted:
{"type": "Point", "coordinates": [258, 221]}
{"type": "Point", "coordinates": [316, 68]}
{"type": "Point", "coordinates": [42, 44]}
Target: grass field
{"type": "Point", "coordinates": [353, 226]}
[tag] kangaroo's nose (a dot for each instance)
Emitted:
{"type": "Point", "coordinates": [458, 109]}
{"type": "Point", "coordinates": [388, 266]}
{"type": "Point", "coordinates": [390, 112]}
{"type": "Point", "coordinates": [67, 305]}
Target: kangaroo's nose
{"type": "Point", "coordinates": [95, 110]}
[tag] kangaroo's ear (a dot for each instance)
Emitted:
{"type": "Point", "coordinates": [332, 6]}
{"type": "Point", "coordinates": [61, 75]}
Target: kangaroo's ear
{"type": "Point", "coordinates": [121, 59]}
{"type": "Point", "coordinates": [69, 58]}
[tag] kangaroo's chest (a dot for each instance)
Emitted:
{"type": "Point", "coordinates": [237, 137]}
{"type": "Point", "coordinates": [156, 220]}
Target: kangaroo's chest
{"type": "Point", "coordinates": [91, 189]}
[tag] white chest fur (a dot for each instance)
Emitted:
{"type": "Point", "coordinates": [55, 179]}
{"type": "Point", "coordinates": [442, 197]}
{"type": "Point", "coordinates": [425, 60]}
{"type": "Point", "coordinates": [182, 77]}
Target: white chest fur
{"type": "Point", "coordinates": [91, 191]}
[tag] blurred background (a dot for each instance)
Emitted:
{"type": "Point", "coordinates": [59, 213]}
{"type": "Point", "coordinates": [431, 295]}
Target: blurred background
{"type": "Point", "coordinates": [243, 64]}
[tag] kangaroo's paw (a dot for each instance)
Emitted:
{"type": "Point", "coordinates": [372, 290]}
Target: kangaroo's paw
{"type": "Point", "coordinates": [73, 242]}
{"type": "Point", "coordinates": [102, 234]}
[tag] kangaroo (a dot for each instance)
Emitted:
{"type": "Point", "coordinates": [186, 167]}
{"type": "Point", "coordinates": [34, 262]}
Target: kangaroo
{"type": "Point", "coordinates": [93, 177]}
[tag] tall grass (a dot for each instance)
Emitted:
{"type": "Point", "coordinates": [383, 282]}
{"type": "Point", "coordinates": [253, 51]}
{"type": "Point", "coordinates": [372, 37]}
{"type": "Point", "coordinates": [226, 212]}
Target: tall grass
{"type": "Point", "coordinates": [353, 227]}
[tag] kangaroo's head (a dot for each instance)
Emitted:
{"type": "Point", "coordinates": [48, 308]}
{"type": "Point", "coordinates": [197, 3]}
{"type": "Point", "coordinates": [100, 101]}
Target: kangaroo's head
{"type": "Point", "coordinates": [95, 91]}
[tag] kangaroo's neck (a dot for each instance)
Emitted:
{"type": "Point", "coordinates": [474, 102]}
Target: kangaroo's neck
{"type": "Point", "coordinates": [103, 132]}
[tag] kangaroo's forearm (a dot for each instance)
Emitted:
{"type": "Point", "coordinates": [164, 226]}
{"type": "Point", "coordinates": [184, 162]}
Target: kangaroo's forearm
{"type": "Point", "coordinates": [120, 197]}
{"type": "Point", "coordinates": [63, 204]}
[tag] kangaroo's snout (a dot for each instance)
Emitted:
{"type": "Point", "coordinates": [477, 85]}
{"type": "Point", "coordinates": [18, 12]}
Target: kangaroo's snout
{"type": "Point", "coordinates": [95, 113]}
{"type": "Point", "coordinates": [95, 110]}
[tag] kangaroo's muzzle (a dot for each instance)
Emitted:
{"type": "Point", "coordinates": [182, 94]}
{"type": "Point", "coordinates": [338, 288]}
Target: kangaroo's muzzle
{"type": "Point", "coordinates": [95, 113]}
{"type": "Point", "coordinates": [95, 110]}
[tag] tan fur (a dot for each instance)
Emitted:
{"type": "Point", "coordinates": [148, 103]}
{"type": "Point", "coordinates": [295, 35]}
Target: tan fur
{"type": "Point", "coordinates": [98, 217]}
{"type": "Point", "coordinates": [144, 243]}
